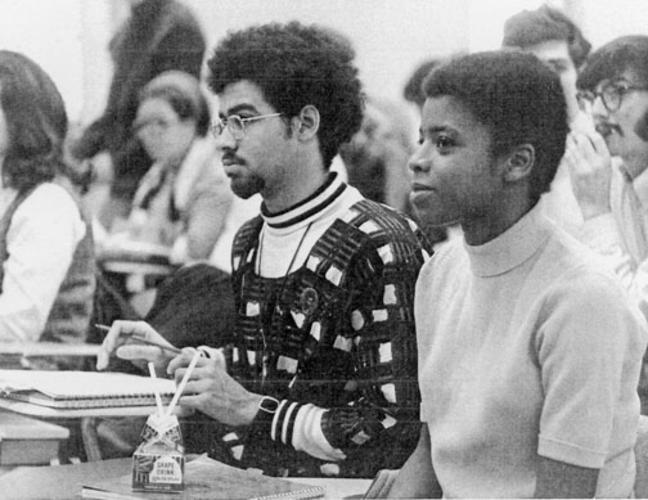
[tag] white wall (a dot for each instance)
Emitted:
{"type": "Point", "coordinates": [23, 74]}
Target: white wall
{"type": "Point", "coordinates": [605, 20]}
{"type": "Point", "coordinates": [390, 36]}
{"type": "Point", "coordinates": [69, 37]}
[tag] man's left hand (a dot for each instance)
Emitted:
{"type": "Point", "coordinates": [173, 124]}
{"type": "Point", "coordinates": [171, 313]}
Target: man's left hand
{"type": "Point", "coordinates": [213, 392]}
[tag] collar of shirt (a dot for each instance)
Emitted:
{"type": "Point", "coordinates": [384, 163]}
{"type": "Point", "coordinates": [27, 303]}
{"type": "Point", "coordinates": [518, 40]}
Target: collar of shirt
{"type": "Point", "coordinates": [310, 208]}
{"type": "Point", "coordinates": [511, 248]}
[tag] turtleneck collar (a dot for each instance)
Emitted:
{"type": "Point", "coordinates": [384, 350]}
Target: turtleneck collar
{"type": "Point", "coordinates": [307, 209]}
{"type": "Point", "coordinates": [511, 248]}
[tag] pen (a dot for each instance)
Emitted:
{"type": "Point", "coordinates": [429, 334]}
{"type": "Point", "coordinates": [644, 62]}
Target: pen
{"type": "Point", "coordinates": [142, 340]}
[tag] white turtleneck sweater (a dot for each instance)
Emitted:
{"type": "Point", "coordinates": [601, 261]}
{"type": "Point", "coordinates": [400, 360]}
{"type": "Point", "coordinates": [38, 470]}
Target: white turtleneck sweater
{"type": "Point", "coordinates": [526, 349]}
{"type": "Point", "coordinates": [282, 233]}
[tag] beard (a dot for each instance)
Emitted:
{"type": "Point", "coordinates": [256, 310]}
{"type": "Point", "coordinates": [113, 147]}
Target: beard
{"type": "Point", "coordinates": [246, 186]}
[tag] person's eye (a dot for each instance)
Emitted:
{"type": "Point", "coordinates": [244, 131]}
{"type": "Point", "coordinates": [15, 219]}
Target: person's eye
{"type": "Point", "coordinates": [444, 143]}
{"type": "Point", "coordinates": [618, 89]}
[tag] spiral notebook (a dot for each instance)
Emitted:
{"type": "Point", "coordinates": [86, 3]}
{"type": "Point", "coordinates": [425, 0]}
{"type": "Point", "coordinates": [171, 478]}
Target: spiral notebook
{"type": "Point", "coordinates": [209, 479]}
{"type": "Point", "coordinates": [78, 390]}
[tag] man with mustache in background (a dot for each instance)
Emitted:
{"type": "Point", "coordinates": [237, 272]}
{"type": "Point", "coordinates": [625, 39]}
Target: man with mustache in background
{"type": "Point", "coordinates": [613, 87]}
{"type": "Point", "coordinates": [613, 196]}
{"type": "Point", "coordinates": [320, 374]}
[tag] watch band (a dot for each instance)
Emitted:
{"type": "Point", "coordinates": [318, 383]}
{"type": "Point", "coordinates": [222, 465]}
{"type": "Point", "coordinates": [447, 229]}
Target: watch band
{"type": "Point", "coordinates": [262, 423]}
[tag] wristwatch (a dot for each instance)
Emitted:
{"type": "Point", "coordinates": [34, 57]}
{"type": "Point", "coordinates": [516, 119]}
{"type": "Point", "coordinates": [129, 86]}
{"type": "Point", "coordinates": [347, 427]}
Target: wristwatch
{"type": "Point", "coordinates": [262, 423]}
{"type": "Point", "coordinates": [269, 406]}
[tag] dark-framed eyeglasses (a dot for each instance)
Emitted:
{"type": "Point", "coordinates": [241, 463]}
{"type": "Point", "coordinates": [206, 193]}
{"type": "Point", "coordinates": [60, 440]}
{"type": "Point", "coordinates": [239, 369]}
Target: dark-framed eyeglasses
{"type": "Point", "coordinates": [236, 125]}
{"type": "Point", "coordinates": [611, 95]}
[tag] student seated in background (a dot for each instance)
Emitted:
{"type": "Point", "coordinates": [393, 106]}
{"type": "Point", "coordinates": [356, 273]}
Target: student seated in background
{"type": "Point", "coordinates": [320, 376]}
{"type": "Point", "coordinates": [184, 198]}
{"type": "Point", "coordinates": [529, 350]}
{"type": "Point", "coordinates": [46, 250]}
{"type": "Point", "coordinates": [613, 87]}
{"type": "Point", "coordinates": [558, 42]}
{"type": "Point", "coordinates": [376, 157]}
{"type": "Point", "coordinates": [157, 36]}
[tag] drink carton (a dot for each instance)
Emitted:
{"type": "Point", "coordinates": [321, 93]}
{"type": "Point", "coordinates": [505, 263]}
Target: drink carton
{"type": "Point", "coordinates": [158, 461]}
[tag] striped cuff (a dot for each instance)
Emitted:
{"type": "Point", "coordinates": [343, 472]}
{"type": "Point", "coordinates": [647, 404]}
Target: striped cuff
{"type": "Point", "coordinates": [283, 423]}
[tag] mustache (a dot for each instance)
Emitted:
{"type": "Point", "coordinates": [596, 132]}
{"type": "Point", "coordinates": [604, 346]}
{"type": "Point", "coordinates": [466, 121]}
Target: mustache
{"type": "Point", "coordinates": [606, 129]}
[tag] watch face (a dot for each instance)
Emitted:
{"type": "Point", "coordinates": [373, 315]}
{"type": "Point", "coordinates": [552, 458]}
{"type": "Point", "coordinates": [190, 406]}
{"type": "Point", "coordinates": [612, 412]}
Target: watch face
{"type": "Point", "coordinates": [268, 404]}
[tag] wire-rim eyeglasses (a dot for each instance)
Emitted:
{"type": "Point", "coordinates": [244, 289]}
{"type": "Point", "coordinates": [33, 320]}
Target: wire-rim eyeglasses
{"type": "Point", "coordinates": [236, 125]}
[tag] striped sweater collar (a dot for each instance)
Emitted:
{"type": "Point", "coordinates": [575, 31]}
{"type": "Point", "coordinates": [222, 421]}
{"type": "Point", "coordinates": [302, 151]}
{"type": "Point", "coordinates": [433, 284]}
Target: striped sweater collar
{"type": "Point", "coordinates": [308, 208]}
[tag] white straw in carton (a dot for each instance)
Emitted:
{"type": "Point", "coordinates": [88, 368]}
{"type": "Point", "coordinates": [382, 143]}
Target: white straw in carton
{"type": "Point", "coordinates": [183, 383]}
{"type": "Point", "coordinates": [158, 399]}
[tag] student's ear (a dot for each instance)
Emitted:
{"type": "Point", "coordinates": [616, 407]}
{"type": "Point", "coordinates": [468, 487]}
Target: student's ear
{"type": "Point", "coordinates": [519, 163]}
{"type": "Point", "coordinates": [307, 123]}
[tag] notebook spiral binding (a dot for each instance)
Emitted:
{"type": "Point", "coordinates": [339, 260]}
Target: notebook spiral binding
{"type": "Point", "coordinates": [86, 402]}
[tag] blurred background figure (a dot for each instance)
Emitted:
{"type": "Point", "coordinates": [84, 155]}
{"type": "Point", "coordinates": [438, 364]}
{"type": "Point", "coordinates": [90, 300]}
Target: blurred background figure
{"type": "Point", "coordinates": [376, 157]}
{"type": "Point", "coordinates": [555, 39]}
{"type": "Point", "coordinates": [184, 198]}
{"type": "Point", "coordinates": [46, 248]}
{"type": "Point", "coordinates": [160, 35]}
{"type": "Point", "coordinates": [613, 196]}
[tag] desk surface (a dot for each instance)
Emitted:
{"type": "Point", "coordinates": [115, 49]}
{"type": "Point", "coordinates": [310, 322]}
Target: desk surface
{"type": "Point", "coordinates": [66, 481]}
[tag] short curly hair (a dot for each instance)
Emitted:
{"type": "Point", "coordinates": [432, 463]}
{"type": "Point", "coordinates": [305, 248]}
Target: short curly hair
{"type": "Point", "coordinates": [517, 97]}
{"type": "Point", "coordinates": [531, 27]}
{"type": "Point", "coordinates": [412, 92]}
{"type": "Point", "coordinates": [294, 66]}
{"type": "Point", "coordinates": [36, 123]}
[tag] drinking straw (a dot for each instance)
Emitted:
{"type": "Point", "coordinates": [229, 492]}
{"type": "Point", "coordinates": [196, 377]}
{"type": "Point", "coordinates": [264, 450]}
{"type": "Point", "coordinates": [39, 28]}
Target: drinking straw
{"type": "Point", "coordinates": [183, 382]}
{"type": "Point", "coordinates": [158, 399]}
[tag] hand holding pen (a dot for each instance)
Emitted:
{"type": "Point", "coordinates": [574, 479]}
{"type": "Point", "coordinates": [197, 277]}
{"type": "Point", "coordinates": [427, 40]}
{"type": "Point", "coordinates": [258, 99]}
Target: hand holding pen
{"type": "Point", "coordinates": [135, 340]}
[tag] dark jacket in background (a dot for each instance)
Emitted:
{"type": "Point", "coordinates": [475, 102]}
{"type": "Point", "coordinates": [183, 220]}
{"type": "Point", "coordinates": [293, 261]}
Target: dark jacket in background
{"type": "Point", "coordinates": [160, 35]}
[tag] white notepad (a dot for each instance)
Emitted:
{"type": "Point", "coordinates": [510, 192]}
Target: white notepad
{"type": "Point", "coordinates": [77, 389]}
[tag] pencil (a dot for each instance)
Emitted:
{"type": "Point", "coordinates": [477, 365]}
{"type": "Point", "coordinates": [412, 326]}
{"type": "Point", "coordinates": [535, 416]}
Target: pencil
{"type": "Point", "coordinates": [142, 340]}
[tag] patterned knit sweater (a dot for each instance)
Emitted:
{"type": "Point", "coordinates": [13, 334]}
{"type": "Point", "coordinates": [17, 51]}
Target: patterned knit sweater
{"type": "Point", "coordinates": [333, 340]}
